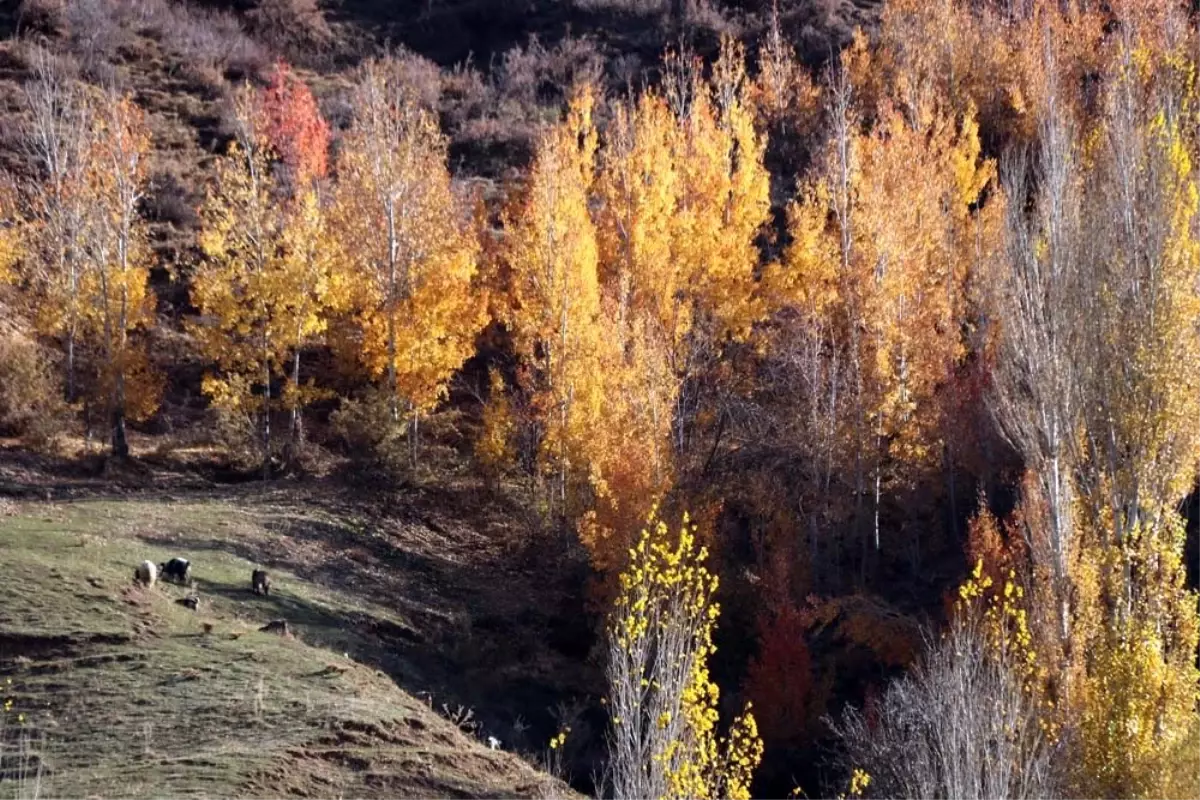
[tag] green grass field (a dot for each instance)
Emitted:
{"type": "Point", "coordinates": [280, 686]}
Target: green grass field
{"type": "Point", "coordinates": [123, 692]}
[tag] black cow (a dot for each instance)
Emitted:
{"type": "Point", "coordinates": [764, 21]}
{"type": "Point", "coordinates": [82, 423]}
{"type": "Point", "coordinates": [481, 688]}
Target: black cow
{"type": "Point", "coordinates": [260, 582]}
{"type": "Point", "coordinates": [178, 570]}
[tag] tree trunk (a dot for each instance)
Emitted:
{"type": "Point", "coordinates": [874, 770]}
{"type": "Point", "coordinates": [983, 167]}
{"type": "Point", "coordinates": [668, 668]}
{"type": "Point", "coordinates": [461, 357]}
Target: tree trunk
{"type": "Point", "coordinates": [120, 446]}
{"type": "Point", "coordinates": [71, 364]}
{"type": "Point", "coordinates": [297, 416]}
{"type": "Point", "coordinates": [266, 466]}
{"type": "Point", "coordinates": [414, 430]}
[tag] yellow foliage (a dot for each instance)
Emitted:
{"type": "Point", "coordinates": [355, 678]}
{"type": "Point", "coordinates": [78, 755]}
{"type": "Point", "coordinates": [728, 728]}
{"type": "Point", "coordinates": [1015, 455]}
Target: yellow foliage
{"type": "Point", "coordinates": [555, 314]}
{"type": "Point", "coordinates": [269, 279]}
{"type": "Point", "coordinates": [495, 448]}
{"type": "Point", "coordinates": [115, 299]}
{"type": "Point", "coordinates": [881, 243]}
{"type": "Point", "coordinates": [10, 236]}
{"type": "Point", "coordinates": [683, 195]}
{"type": "Point", "coordinates": [239, 287]}
{"type": "Point", "coordinates": [664, 703]}
{"type": "Point", "coordinates": [411, 250]}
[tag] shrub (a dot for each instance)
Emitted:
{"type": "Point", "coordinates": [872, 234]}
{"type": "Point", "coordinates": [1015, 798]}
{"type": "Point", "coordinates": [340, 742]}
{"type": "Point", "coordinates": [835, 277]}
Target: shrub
{"type": "Point", "coordinates": [967, 721]}
{"type": "Point", "coordinates": [290, 23]}
{"type": "Point", "coordinates": [31, 397]}
{"type": "Point", "coordinates": [780, 678]}
{"type": "Point", "coordinates": [171, 201]}
{"type": "Point", "coordinates": [368, 433]}
{"type": "Point", "coordinates": [44, 16]}
{"type": "Point", "coordinates": [235, 426]}
{"type": "Point", "coordinates": [96, 32]}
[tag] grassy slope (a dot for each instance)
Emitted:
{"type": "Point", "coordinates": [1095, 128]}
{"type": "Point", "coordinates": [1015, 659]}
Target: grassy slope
{"type": "Point", "coordinates": [134, 699]}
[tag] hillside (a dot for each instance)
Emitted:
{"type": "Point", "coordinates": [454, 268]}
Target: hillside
{"type": "Point", "coordinates": [126, 693]}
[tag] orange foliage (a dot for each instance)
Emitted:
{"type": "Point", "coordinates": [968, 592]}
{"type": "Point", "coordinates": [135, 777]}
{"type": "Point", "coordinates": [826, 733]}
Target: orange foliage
{"type": "Point", "coordinates": [294, 126]}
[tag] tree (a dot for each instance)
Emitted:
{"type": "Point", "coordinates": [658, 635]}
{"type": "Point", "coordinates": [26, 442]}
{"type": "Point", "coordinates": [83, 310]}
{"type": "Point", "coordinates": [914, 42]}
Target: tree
{"type": "Point", "coordinates": [876, 275]}
{"type": "Point", "coordinates": [682, 197]}
{"type": "Point", "coordinates": [722, 206]}
{"type": "Point", "coordinates": [295, 128]}
{"type": "Point", "coordinates": [316, 284]}
{"type": "Point", "coordinates": [1038, 383]}
{"type": "Point", "coordinates": [663, 704]}
{"type": "Point", "coordinates": [251, 308]}
{"type": "Point", "coordinates": [410, 243]}
{"type": "Point", "coordinates": [555, 315]}
{"type": "Point", "coordinates": [631, 457]}
{"type": "Point", "coordinates": [1098, 311]}
{"type": "Point", "coordinates": [117, 301]}
{"type": "Point", "coordinates": [1142, 692]}
{"type": "Point", "coordinates": [58, 141]}
{"type": "Point", "coordinates": [298, 137]}
{"type": "Point", "coordinates": [87, 255]}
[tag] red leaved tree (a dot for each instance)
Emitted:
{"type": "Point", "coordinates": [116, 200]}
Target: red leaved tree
{"type": "Point", "coordinates": [295, 128]}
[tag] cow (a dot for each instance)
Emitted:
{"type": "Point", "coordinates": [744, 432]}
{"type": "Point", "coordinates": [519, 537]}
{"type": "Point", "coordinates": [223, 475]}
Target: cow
{"type": "Point", "coordinates": [177, 570]}
{"type": "Point", "coordinates": [145, 573]}
{"type": "Point", "coordinates": [260, 582]}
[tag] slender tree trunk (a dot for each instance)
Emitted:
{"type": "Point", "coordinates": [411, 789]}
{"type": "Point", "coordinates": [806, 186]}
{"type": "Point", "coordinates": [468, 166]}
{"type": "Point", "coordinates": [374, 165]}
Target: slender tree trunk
{"type": "Point", "coordinates": [71, 363]}
{"type": "Point", "coordinates": [120, 446]}
{"type": "Point", "coordinates": [297, 416]}
{"type": "Point", "coordinates": [266, 432]}
{"type": "Point", "coordinates": [393, 244]}
{"type": "Point", "coordinates": [414, 432]}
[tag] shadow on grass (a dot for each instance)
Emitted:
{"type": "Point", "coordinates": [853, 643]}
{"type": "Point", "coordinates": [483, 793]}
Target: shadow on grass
{"type": "Point", "coordinates": [365, 637]}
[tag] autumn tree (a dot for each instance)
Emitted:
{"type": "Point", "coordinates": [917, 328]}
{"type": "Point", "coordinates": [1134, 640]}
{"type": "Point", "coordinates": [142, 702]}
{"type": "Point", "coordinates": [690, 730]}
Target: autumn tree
{"type": "Point", "coordinates": [968, 720]}
{"type": "Point", "coordinates": [632, 458]}
{"type": "Point", "coordinates": [87, 257]}
{"type": "Point", "coordinates": [117, 301]}
{"type": "Point", "coordinates": [295, 128]}
{"type": "Point", "coordinates": [411, 244]}
{"type": "Point", "coordinates": [58, 142]}
{"type": "Point", "coordinates": [556, 306]}
{"type": "Point", "coordinates": [876, 272]}
{"type": "Point", "coordinates": [1039, 374]}
{"type": "Point", "coordinates": [682, 197]}
{"type": "Point", "coordinates": [1143, 423]}
{"type": "Point", "coordinates": [722, 206]}
{"type": "Point", "coordinates": [663, 704]}
{"type": "Point", "coordinates": [266, 281]}
{"type": "Point", "coordinates": [1097, 315]}
{"type": "Point", "coordinates": [299, 137]}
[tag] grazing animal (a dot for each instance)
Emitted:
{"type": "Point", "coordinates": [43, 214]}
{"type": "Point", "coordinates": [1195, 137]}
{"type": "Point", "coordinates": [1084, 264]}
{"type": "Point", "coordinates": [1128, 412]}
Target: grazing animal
{"type": "Point", "coordinates": [145, 573]}
{"type": "Point", "coordinates": [279, 626]}
{"type": "Point", "coordinates": [178, 570]}
{"type": "Point", "coordinates": [260, 582]}
{"type": "Point", "coordinates": [191, 601]}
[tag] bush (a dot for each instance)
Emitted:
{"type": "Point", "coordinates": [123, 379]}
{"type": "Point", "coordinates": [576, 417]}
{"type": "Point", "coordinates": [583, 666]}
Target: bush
{"type": "Point", "coordinates": [31, 395]}
{"type": "Point", "coordinates": [96, 32]}
{"type": "Point", "coordinates": [171, 201]}
{"type": "Point", "coordinates": [44, 16]}
{"type": "Point", "coordinates": [290, 23]}
{"type": "Point", "coordinates": [368, 433]}
{"type": "Point", "coordinates": [960, 725]}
